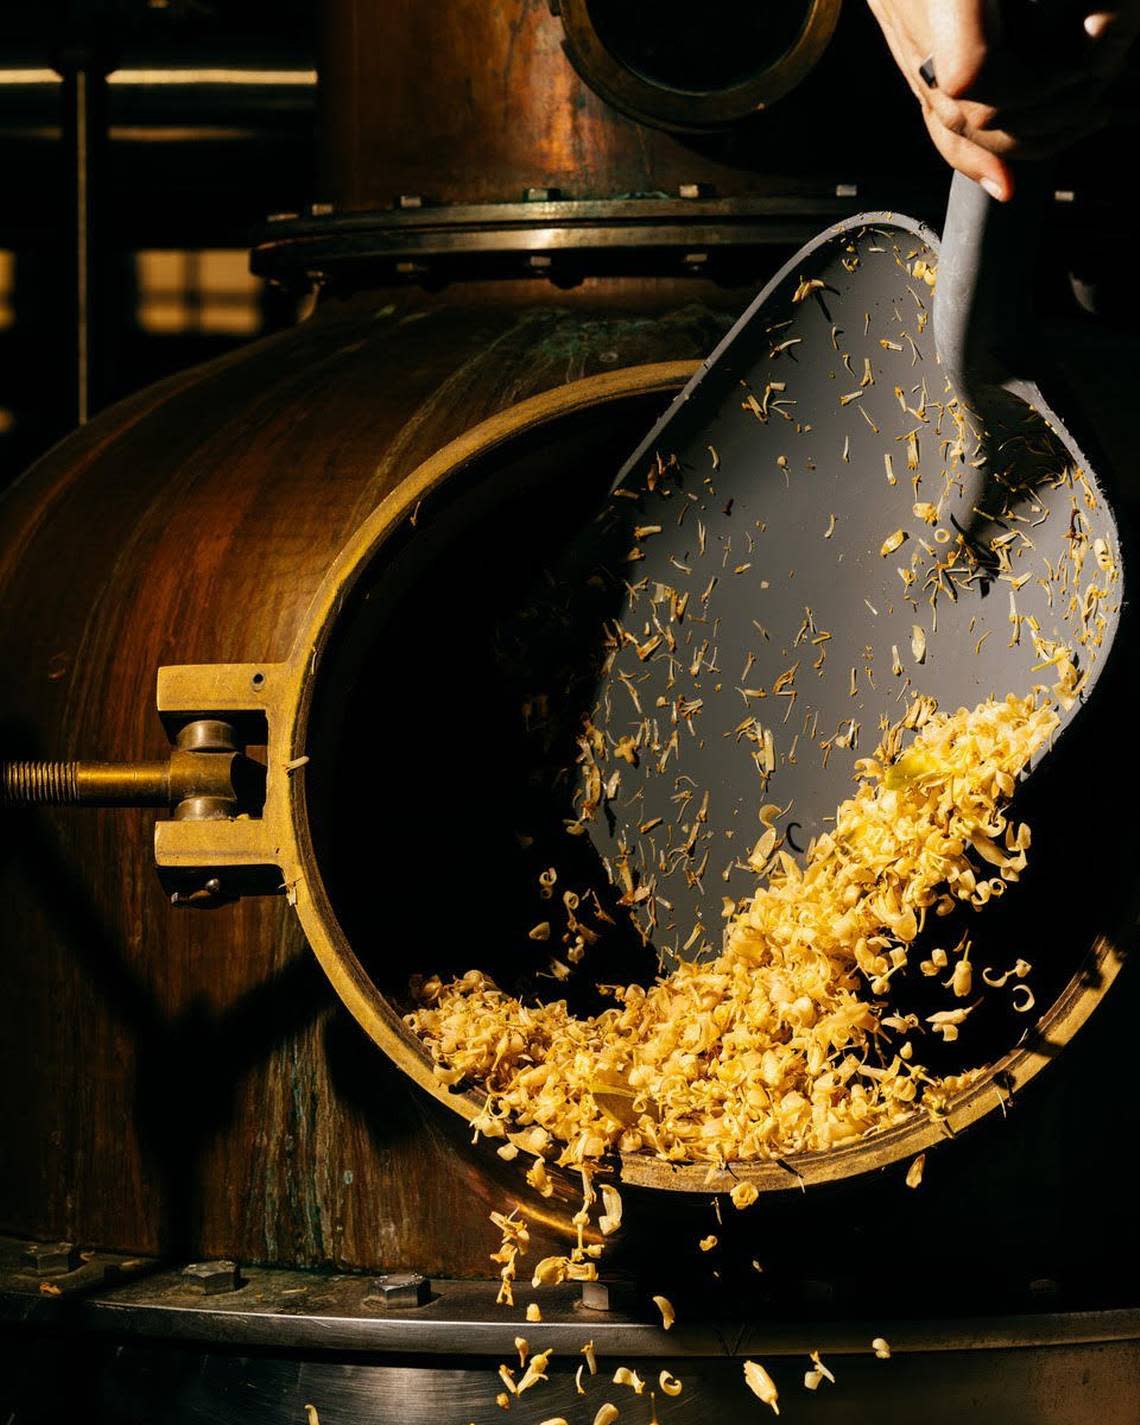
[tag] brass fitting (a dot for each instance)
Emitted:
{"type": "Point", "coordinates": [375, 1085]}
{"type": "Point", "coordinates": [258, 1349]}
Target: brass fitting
{"type": "Point", "coordinates": [205, 778]}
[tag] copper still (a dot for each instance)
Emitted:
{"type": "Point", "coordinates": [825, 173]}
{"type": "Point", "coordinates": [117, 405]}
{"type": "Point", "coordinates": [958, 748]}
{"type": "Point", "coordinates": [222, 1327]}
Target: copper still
{"type": "Point", "coordinates": [536, 219]}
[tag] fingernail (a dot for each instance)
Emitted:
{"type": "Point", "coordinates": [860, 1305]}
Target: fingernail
{"type": "Point", "coordinates": [993, 189]}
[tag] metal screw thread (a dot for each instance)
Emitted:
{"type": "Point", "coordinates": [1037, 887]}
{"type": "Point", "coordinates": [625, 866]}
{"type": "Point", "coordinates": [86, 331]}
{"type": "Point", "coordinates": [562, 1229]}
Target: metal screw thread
{"type": "Point", "coordinates": [42, 783]}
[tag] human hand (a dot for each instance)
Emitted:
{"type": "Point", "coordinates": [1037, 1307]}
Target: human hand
{"type": "Point", "coordinates": [994, 99]}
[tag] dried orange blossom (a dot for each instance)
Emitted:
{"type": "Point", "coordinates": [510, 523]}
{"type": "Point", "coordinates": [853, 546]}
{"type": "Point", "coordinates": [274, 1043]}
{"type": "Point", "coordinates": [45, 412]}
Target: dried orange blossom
{"type": "Point", "coordinates": [765, 1051]}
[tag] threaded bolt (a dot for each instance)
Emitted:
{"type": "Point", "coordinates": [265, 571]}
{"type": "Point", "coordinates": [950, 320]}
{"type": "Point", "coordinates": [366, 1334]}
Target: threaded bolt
{"type": "Point", "coordinates": [39, 783]}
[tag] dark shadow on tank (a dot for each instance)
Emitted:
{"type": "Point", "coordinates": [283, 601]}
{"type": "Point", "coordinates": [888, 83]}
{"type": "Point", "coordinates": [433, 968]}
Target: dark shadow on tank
{"type": "Point", "coordinates": [392, 1109]}
{"type": "Point", "coordinates": [188, 1066]}
{"type": "Point", "coordinates": [446, 720]}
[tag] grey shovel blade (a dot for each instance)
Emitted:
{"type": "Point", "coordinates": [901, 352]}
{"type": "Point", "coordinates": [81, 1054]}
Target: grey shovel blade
{"type": "Point", "coordinates": [814, 534]}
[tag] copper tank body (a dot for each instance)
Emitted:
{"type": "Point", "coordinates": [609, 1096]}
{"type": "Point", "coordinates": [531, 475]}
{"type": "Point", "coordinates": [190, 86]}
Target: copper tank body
{"type": "Point", "coordinates": [472, 103]}
{"type": "Point", "coordinates": [186, 1084]}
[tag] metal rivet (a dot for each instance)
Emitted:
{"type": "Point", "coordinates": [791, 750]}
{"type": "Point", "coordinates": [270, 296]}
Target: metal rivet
{"type": "Point", "coordinates": [399, 1290]}
{"type": "Point", "coordinates": [51, 1258]}
{"type": "Point", "coordinates": [213, 1277]}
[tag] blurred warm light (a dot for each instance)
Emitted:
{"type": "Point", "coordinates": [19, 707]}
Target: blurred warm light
{"type": "Point", "coordinates": [7, 283]}
{"type": "Point", "coordinates": [29, 76]}
{"type": "Point", "coordinates": [210, 291]}
{"type": "Point", "coordinates": [304, 78]}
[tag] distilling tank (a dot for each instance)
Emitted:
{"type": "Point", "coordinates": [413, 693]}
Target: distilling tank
{"type": "Point", "coordinates": [536, 220]}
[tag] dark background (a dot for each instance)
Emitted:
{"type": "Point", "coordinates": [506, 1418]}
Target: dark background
{"type": "Point", "coordinates": [196, 160]}
{"type": "Point", "coordinates": [212, 111]}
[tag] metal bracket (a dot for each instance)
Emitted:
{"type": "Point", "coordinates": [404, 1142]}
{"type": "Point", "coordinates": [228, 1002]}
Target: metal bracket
{"type": "Point", "coordinates": [207, 862]}
{"type": "Point", "coordinates": [222, 838]}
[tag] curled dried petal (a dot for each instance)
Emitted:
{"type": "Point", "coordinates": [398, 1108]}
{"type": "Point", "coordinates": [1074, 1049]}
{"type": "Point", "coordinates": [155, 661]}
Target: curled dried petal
{"type": "Point", "coordinates": [536, 1371]}
{"type": "Point", "coordinates": [551, 1271]}
{"type": "Point", "coordinates": [824, 1373]}
{"type": "Point", "coordinates": [744, 1194]}
{"type": "Point", "coordinates": [806, 287]}
{"type": "Point", "coordinates": [761, 1384]}
{"type": "Point", "coordinates": [669, 1384]}
{"type": "Point", "coordinates": [610, 1219]}
{"type": "Point", "coordinates": [539, 1179]}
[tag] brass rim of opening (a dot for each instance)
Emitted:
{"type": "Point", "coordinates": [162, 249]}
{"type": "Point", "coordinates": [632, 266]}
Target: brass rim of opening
{"type": "Point", "coordinates": [382, 1021]}
{"type": "Point", "coordinates": [663, 107]}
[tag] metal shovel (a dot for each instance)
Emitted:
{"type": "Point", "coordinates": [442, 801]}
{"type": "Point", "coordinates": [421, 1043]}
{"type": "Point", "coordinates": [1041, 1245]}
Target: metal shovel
{"type": "Point", "coordinates": [861, 497]}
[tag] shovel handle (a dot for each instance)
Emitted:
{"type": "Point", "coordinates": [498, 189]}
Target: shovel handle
{"type": "Point", "coordinates": [983, 318]}
{"type": "Point", "coordinates": [983, 312]}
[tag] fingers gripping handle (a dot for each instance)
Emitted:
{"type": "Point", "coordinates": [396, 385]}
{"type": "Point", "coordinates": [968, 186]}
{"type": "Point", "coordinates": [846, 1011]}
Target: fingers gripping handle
{"type": "Point", "coordinates": [983, 316]}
